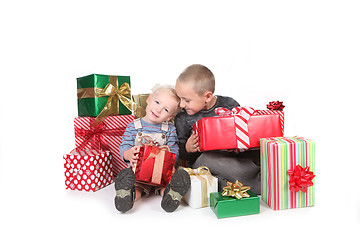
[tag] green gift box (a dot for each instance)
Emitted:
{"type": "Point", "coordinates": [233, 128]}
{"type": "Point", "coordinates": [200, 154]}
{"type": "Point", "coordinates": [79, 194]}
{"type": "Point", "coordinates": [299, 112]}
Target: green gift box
{"type": "Point", "coordinates": [97, 92]}
{"type": "Point", "coordinates": [224, 206]}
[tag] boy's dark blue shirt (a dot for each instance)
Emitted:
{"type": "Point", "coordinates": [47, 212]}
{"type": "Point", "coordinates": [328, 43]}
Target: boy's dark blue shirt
{"type": "Point", "coordinates": [184, 123]}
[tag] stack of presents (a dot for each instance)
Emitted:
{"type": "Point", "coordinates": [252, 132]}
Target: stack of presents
{"type": "Point", "coordinates": [106, 107]}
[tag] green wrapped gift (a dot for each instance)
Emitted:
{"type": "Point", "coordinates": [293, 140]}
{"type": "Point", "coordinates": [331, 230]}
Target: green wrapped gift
{"type": "Point", "coordinates": [103, 95]}
{"type": "Point", "coordinates": [224, 206]}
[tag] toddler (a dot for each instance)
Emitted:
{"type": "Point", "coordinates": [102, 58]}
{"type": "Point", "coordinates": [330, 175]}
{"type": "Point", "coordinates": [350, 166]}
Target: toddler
{"type": "Point", "coordinates": [162, 105]}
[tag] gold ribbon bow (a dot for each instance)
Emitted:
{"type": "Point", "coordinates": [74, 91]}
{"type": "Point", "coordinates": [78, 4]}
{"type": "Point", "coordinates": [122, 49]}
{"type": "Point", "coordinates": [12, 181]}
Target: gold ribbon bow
{"type": "Point", "coordinates": [115, 94]}
{"type": "Point", "coordinates": [198, 172]}
{"type": "Point", "coordinates": [235, 190]}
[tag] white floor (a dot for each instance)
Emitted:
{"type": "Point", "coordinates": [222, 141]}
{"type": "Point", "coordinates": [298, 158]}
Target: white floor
{"type": "Point", "coordinates": [45, 211]}
{"type": "Point", "coordinates": [305, 53]}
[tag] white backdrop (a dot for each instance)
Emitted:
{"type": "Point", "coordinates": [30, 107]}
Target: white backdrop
{"type": "Point", "coordinates": [305, 53]}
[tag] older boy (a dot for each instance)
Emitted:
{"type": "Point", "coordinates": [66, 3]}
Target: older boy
{"type": "Point", "coordinates": [195, 86]}
{"type": "Point", "coordinates": [162, 105]}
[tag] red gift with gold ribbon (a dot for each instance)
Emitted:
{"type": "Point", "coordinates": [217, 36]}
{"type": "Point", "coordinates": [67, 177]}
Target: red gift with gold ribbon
{"type": "Point", "coordinates": [155, 165]}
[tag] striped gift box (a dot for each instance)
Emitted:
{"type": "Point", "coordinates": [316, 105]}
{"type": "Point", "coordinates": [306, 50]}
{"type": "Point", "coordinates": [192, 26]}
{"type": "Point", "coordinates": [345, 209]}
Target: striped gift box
{"type": "Point", "coordinates": [238, 129]}
{"type": "Point", "coordinates": [278, 155]}
{"type": "Point", "coordinates": [106, 136]}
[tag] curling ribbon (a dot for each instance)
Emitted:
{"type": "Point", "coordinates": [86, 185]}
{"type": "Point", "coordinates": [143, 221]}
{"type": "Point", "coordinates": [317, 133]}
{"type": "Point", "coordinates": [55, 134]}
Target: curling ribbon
{"type": "Point", "coordinates": [236, 190]}
{"type": "Point", "coordinates": [198, 172]}
{"type": "Point", "coordinates": [300, 179]}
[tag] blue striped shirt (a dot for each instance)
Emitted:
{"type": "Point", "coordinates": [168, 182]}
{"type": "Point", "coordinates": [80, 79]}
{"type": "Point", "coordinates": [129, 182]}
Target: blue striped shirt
{"type": "Point", "coordinates": [130, 134]}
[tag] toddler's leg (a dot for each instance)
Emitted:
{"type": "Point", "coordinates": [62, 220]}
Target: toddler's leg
{"type": "Point", "coordinates": [125, 190]}
{"type": "Point", "coordinates": [231, 167]}
{"type": "Point", "coordinates": [138, 193]}
{"type": "Point", "coordinates": [175, 190]}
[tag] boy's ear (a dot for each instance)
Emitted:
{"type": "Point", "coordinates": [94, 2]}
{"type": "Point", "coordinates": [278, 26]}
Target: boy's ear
{"type": "Point", "coordinates": [170, 118]}
{"type": "Point", "coordinates": [208, 96]}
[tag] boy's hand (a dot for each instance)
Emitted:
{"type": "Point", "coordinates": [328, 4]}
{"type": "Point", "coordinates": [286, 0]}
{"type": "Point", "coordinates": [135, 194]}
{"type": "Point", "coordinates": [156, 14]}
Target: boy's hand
{"type": "Point", "coordinates": [192, 144]}
{"type": "Point", "coordinates": [132, 155]}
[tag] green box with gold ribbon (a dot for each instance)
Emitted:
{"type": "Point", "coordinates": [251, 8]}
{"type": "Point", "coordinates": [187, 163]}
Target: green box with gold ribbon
{"type": "Point", "coordinates": [224, 206]}
{"type": "Point", "coordinates": [103, 95]}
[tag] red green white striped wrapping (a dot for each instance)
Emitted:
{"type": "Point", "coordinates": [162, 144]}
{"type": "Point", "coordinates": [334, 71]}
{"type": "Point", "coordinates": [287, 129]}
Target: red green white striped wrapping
{"type": "Point", "coordinates": [278, 155]}
{"type": "Point", "coordinates": [109, 137]}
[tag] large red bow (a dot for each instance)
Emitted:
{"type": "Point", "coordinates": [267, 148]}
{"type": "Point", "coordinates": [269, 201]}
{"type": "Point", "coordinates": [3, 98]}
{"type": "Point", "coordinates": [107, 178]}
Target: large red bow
{"type": "Point", "coordinates": [275, 105]}
{"type": "Point", "coordinates": [96, 134]}
{"type": "Point", "coordinates": [300, 178]}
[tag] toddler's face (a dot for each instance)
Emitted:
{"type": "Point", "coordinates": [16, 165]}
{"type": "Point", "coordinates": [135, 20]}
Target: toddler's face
{"type": "Point", "coordinates": [190, 100]}
{"type": "Point", "coordinates": [160, 107]}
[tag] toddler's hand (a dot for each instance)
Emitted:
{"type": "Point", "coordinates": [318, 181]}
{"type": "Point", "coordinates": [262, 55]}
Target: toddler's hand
{"type": "Point", "coordinates": [192, 144]}
{"type": "Point", "coordinates": [132, 155]}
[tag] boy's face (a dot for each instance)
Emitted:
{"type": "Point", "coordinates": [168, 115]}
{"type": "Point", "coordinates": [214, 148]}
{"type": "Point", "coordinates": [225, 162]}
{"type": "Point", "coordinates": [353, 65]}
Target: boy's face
{"type": "Point", "coordinates": [160, 107]}
{"type": "Point", "coordinates": [190, 100]}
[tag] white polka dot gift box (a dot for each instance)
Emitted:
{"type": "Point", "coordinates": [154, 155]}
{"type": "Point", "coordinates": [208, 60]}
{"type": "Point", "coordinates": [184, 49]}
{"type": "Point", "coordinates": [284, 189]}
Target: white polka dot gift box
{"type": "Point", "coordinates": [88, 169]}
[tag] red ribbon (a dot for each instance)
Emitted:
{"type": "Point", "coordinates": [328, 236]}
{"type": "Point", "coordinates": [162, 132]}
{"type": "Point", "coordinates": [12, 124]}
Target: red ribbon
{"type": "Point", "coordinates": [96, 136]}
{"type": "Point", "coordinates": [300, 178]}
{"type": "Point", "coordinates": [224, 112]}
{"type": "Point", "coordinates": [275, 105]}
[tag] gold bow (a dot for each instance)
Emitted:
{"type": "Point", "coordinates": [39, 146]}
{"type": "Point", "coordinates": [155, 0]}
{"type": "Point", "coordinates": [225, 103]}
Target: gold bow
{"type": "Point", "coordinates": [200, 171]}
{"type": "Point", "coordinates": [235, 190]}
{"type": "Point", "coordinates": [115, 94]}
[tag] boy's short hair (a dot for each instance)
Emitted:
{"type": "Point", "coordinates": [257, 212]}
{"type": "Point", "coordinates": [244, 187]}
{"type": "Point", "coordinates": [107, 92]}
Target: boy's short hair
{"type": "Point", "coordinates": [202, 78]}
{"type": "Point", "coordinates": [169, 89]}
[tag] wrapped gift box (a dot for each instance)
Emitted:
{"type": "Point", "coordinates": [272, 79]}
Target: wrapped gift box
{"type": "Point", "coordinates": [88, 169]}
{"type": "Point", "coordinates": [107, 135]}
{"type": "Point", "coordinates": [278, 156]}
{"type": "Point", "coordinates": [140, 101]}
{"type": "Point", "coordinates": [226, 132]}
{"type": "Point", "coordinates": [94, 91]}
{"type": "Point", "coordinates": [154, 166]}
{"type": "Point", "coordinates": [224, 206]}
{"type": "Point", "coordinates": [202, 185]}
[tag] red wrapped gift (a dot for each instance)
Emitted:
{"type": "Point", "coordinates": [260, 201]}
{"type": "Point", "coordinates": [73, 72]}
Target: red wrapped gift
{"type": "Point", "coordinates": [155, 165]}
{"type": "Point", "coordinates": [240, 128]}
{"type": "Point", "coordinates": [88, 169]}
{"type": "Point", "coordinates": [107, 136]}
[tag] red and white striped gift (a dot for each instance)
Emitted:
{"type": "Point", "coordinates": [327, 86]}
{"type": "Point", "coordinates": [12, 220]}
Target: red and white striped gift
{"type": "Point", "coordinates": [87, 169]}
{"type": "Point", "coordinates": [107, 136]}
{"type": "Point", "coordinates": [239, 128]}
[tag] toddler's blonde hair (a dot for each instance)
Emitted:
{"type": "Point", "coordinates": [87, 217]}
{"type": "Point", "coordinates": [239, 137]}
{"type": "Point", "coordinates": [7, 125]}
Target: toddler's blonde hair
{"type": "Point", "coordinates": [170, 90]}
{"type": "Point", "coordinates": [202, 78]}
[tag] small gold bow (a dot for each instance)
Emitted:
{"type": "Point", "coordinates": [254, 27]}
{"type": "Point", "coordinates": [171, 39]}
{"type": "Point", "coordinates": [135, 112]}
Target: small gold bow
{"type": "Point", "coordinates": [235, 190]}
{"type": "Point", "coordinates": [115, 95]}
{"type": "Point", "coordinates": [200, 171]}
